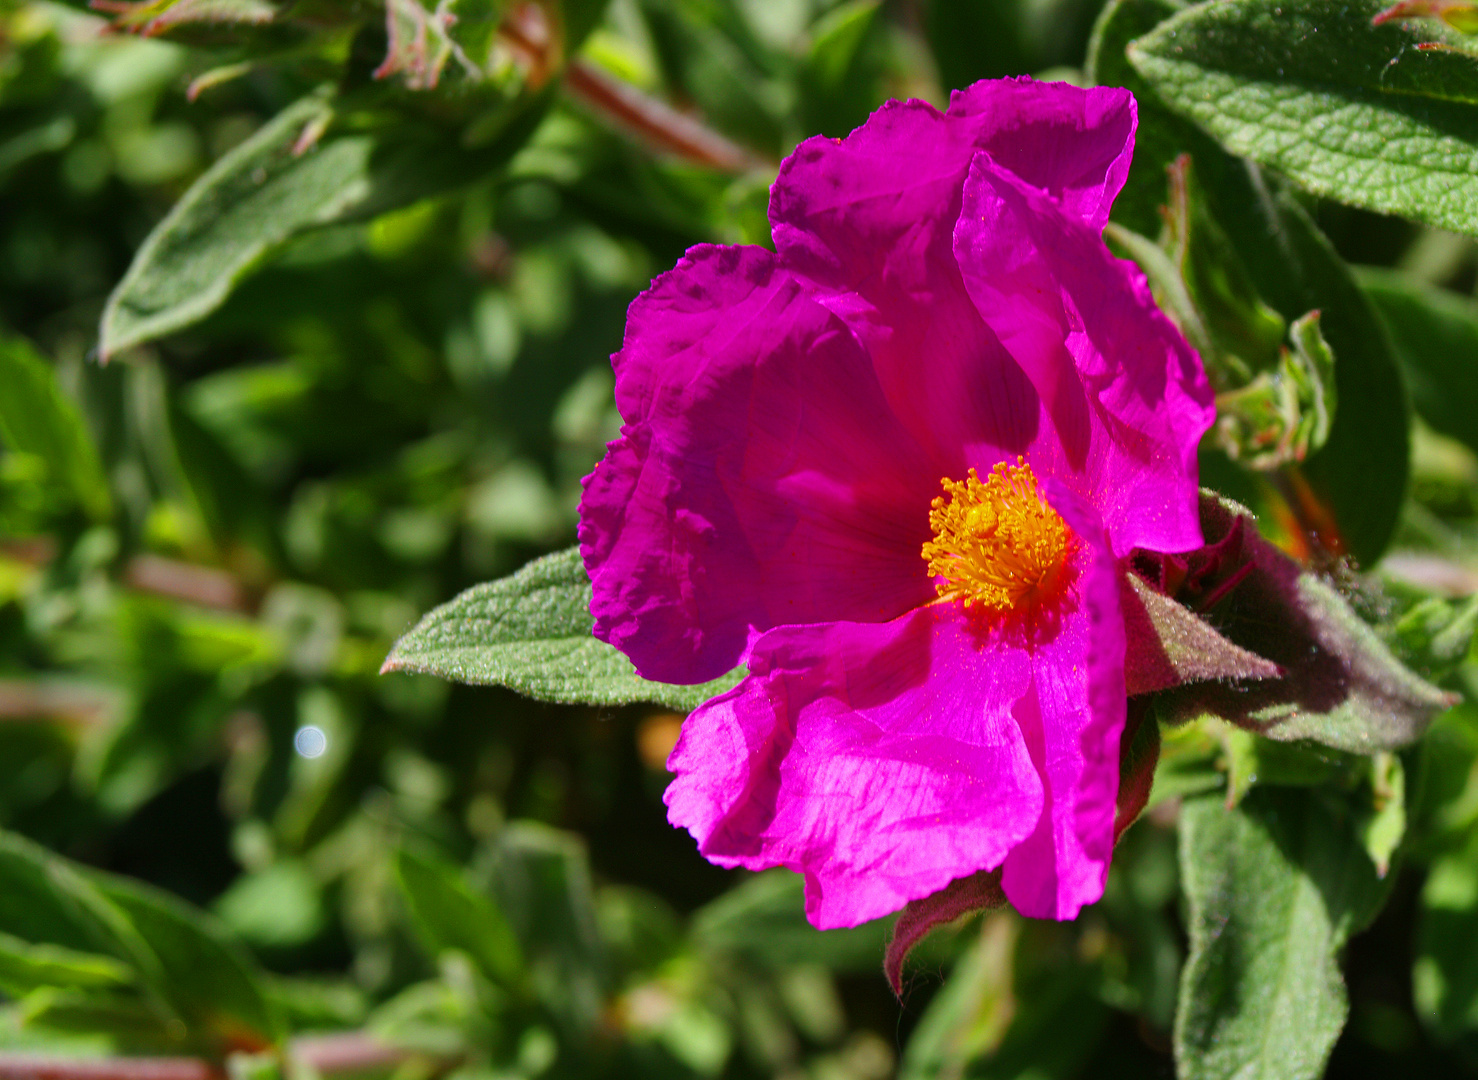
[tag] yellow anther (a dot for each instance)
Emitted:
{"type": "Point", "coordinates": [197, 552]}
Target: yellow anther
{"type": "Point", "coordinates": [996, 542]}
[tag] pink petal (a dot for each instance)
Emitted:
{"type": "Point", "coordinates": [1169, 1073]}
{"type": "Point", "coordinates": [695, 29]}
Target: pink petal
{"type": "Point", "coordinates": [761, 478]}
{"type": "Point", "coordinates": [871, 220]}
{"type": "Point", "coordinates": [1072, 719]}
{"type": "Point", "coordinates": [1127, 397]}
{"type": "Point", "coordinates": [840, 207]}
{"type": "Point", "coordinates": [1073, 144]}
{"type": "Point", "coordinates": [881, 761]}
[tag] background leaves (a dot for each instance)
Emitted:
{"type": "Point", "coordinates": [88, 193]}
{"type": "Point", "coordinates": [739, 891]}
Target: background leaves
{"type": "Point", "coordinates": [359, 297]}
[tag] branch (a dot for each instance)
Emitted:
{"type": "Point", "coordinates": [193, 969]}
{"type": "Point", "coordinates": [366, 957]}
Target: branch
{"type": "Point", "coordinates": [653, 121]}
{"type": "Point", "coordinates": [342, 1054]}
{"type": "Point", "coordinates": [36, 1067]}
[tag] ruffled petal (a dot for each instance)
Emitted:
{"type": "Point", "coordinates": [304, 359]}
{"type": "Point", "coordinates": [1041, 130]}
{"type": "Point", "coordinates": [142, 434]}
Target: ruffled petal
{"type": "Point", "coordinates": [1126, 395]}
{"type": "Point", "coordinates": [840, 207]}
{"type": "Point", "coordinates": [871, 219]}
{"type": "Point", "coordinates": [882, 761]}
{"type": "Point", "coordinates": [1072, 719]}
{"type": "Point", "coordinates": [761, 478]}
{"type": "Point", "coordinates": [1073, 144]}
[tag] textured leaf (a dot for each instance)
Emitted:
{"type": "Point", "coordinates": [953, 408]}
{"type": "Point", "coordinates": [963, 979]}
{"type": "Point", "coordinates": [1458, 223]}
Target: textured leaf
{"type": "Point", "coordinates": [250, 201]}
{"type": "Point", "coordinates": [1273, 890]}
{"type": "Point", "coordinates": [1342, 687]}
{"type": "Point", "coordinates": [295, 173]}
{"type": "Point", "coordinates": [1436, 338]}
{"type": "Point", "coordinates": [531, 632]}
{"type": "Point", "coordinates": [1168, 644]}
{"type": "Point", "coordinates": [37, 418]}
{"type": "Point", "coordinates": [1361, 471]}
{"type": "Point", "coordinates": [1304, 88]}
{"type": "Point", "coordinates": [450, 915]}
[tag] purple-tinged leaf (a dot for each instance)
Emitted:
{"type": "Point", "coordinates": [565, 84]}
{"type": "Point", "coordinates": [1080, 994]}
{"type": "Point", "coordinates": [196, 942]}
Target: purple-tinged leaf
{"type": "Point", "coordinates": [1167, 644]}
{"type": "Point", "coordinates": [964, 896]}
{"type": "Point", "coordinates": [1340, 686]}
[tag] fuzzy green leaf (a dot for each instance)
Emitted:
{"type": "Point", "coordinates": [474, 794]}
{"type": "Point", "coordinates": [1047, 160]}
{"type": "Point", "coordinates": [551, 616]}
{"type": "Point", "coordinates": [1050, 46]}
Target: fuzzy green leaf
{"type": "Point", "coordinates": [1306, 88]}
{"type": "Point", "coordinates": [1273, 887]}
{"type": "Point", "coordinates": [297, 172]}
{"type": "Point", "coordinates": [250, 201]}
{"type": "Point", "coordinates": [531, 632]}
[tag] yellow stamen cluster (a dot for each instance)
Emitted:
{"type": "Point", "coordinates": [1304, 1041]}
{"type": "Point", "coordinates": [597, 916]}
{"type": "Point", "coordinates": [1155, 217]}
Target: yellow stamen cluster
{"type": "Point", "coordinates": [996, 542]}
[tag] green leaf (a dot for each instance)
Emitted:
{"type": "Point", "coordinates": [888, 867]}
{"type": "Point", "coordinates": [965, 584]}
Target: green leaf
{"type": "Point", "coordinates": [1361, 471]}
{"type": "Point", "coordinates": [1303, 88]}
{"type": "Point", "coordinates": [1273, 890]}
{"type": "Point", "coordinates": [297, 172]}
{"type": "Point", "coordinates": [43, 901]}
{"type": "Point", "coordinates": [201, 971]}
{"type": "Point", "coordinates": [250, 201]}
{"type": "Point", "coordinates": [37, 418]}
{"type": "Point", "coordinates": [531, 632]}
{"type": "Point", "coordinates": [1445, 976]}
{"type": "Point", "coordinates": [448, 914]}
{"type": "Point", "coordinates": [765, 918]}
{"type": "Point", "coordinates": [541, 878]}
{"type": "Point", "coordinates": [1436, 336]}
{"type": "Point", "coordinates": [25, 966]}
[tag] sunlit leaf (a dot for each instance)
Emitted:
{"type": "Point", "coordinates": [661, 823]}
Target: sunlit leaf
{"type": "Point", "coordinates": [1274, 887]}
{"type": "Point", "coordinates": [531, 632]}
{"type": "Point", "coordinates": [1305, 88]}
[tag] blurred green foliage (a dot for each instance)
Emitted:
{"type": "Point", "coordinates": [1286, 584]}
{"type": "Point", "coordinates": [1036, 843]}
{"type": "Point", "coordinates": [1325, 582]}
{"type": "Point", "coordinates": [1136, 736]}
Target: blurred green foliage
{"type": "Point", "coordinates": [358, 270]}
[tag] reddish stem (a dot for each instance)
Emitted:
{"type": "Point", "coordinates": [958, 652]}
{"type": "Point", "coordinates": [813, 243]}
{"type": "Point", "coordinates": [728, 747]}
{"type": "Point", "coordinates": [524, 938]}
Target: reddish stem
{"type": "Point", "coordinates": [327, 1055]}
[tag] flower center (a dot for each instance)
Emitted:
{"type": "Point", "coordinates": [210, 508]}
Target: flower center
{"type": "Point", "coordinates": [996, 542]}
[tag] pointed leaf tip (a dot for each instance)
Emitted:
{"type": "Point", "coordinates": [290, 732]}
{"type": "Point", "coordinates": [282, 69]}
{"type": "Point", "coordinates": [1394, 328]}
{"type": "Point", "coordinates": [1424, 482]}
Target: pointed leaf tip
{"type": "Point", "coordinates": [1167, 644]}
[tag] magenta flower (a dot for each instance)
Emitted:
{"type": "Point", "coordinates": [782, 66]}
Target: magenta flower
{"type": "Point", "coordinates": [893, 467]}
